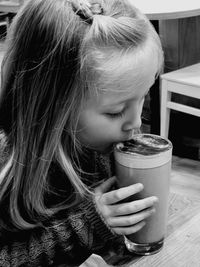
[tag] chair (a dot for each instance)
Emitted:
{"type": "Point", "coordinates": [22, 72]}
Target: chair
{"type": "Point", "coordinates": [10, 6]}
{"type": "Point", "coordinates": [8, 9]}
{"type": "Point", "coordinates": [185, 81]}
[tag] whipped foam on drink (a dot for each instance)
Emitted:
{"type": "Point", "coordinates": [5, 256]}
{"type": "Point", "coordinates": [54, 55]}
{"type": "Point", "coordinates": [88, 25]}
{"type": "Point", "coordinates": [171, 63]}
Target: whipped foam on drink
{"type": "Point", "coordinates": [144, 144]}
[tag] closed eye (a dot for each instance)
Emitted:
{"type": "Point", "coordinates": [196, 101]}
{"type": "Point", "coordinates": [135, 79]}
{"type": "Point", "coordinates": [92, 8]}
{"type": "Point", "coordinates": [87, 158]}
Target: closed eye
{"type": "Point", "coordinates": [115, 115]}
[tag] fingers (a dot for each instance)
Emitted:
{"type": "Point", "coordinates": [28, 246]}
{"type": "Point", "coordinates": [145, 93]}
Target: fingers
{"type": "Point", "coordinates": [129, 230]}
{"type": "Point", "coordinates": [122, 193]}
{"type": "Point", "coordinates": [123, 218]}
{"type": "Point", "coordinates": [105, 186]}
{"type": "Point", "coordinates": [132, 207]}
{"type": "Point", "coordinates": [130, 220]}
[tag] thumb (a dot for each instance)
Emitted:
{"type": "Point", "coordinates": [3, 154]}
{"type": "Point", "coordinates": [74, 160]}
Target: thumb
{"type": "Point", "coordinates": [105, 186]}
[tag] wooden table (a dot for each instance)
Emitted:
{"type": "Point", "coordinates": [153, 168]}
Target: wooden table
{"type": "Point", "coordinates": [182, 242]}
{"type": "Point", "coordinates": [171, 9]}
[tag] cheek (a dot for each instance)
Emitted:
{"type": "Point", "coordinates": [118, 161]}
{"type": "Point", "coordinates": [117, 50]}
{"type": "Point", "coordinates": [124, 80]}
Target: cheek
{"type": "Point", "coordinates": [96, 130]}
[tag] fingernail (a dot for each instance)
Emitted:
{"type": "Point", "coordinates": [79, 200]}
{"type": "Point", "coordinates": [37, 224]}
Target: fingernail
{"type": "Point", "coordinates": [143, 223]}
{"type": "Point", "coordinates": [153, 211]}
{"type": "Point", "coordinates": [140, 186]}
{"type": "Point", "coordinates": [155, 200]}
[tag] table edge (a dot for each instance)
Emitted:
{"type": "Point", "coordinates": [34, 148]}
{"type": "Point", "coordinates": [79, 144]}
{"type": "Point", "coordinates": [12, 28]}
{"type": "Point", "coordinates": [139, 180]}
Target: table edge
{"type": "Point", "coordinates": [173, 15]}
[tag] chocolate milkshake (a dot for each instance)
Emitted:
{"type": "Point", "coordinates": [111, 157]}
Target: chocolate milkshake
{"type": "Point", "coordinates": [146, 159]}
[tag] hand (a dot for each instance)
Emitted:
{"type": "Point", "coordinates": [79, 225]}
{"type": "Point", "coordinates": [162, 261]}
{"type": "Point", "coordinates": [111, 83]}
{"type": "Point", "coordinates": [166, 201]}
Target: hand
{"type": "Point", "coordinates": [123, 218]}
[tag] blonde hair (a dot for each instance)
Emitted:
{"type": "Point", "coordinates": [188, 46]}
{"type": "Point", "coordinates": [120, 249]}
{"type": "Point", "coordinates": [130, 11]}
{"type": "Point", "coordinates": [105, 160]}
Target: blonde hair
{"type": "Point", "coordinates": [53, 60]}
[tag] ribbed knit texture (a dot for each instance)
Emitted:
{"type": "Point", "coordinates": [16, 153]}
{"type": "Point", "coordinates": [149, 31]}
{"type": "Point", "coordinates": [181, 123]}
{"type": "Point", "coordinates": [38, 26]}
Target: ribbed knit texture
{"type": "Point", "coordinates": [69, 238]}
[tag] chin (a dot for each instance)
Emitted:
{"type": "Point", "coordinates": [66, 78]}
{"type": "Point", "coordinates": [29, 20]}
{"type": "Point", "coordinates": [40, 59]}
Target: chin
{"type": "Point", "coordinates": [105, 149]}
{"type": "Point", "coordinates": [101, 148]}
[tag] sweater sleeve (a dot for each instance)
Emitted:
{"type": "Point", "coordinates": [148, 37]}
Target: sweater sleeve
{"type": "Point", "coordinates": [67, 241]}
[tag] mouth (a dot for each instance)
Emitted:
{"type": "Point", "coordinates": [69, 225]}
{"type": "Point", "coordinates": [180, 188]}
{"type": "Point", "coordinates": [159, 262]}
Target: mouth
{"type": "Point", "coordinates": [129, 136]}
{"type": "Point", "coordinates": [133, 132]}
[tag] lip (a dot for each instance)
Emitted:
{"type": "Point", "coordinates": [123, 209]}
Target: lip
{"type": "Point", "coordinates": [124, 139]}
{"type": "Point", "coordinates": [129, 136]}
{"type": "Point", "coordinates": [132, 133]}
{"type": "Point", "coordinates": [121, 141]}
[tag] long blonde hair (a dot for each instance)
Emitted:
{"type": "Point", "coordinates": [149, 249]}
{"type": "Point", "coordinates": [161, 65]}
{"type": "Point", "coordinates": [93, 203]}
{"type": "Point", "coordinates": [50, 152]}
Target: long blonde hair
{"type": "Point", "coordinates": [51, 63]}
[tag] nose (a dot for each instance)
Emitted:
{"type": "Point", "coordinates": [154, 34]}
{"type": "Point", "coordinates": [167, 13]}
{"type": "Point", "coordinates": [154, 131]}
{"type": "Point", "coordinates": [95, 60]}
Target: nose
{"type": "Point", "coordinates": [133, 116]}
{"type": "Point", "coordinates": [134, 122]}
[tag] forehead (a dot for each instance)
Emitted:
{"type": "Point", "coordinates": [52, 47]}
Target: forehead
{"type": "Point", "coordinates": [126, 76]}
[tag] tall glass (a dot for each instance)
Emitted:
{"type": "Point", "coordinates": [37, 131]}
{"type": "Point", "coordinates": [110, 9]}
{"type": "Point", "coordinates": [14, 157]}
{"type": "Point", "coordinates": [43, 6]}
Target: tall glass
{"type": "Point", "coordinates": [146, 159]}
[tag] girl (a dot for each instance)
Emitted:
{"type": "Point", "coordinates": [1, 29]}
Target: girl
{"type": "Point", "coordinates": [74, 79]}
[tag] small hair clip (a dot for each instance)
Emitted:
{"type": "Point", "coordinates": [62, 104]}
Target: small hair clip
{"type": "Point", "coordinates": [85, 10]}
{"type": "Point", "coordinates": [96, 9]}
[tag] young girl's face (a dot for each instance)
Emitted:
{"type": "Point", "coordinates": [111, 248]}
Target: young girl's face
{"type": "Point", "coordinates": [112, 114]}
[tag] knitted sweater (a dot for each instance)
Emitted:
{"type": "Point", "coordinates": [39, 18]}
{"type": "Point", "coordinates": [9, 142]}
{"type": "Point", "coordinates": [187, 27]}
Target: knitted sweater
{"type": "Point", "coordinates": [68, 238]}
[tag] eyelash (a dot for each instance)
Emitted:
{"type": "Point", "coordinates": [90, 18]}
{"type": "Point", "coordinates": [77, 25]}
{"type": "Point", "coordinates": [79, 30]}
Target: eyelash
{"type": "Point", "coordinates": [119, 114]}
{"type": "Point", "coordinates": [115, 115]}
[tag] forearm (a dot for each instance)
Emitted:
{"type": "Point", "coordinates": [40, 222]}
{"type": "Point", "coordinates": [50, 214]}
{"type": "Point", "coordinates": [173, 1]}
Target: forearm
{"type": "Point", "coordinates": [69, 240]}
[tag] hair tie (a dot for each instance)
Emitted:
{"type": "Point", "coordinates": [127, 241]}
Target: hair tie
{"type": "Point", "coordinates": [96, 9]}
{"type": "Point", "coordinates": [85, 10]}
